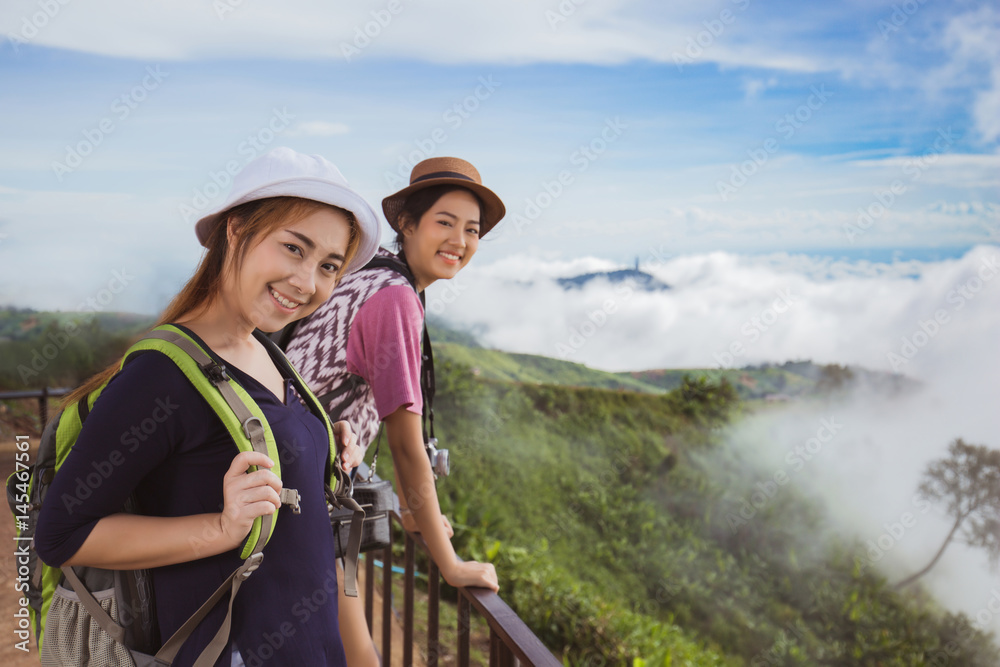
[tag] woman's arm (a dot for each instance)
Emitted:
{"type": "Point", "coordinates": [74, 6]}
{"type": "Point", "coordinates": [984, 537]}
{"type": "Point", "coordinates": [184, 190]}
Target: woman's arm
{"type": "Point", "coordinates": [413, 469]}
{"type": "Point", "coordinates": [130, 541]}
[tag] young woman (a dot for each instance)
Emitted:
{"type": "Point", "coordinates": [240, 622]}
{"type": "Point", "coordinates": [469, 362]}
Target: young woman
{"type": "Point", "coordinates": [291, 228]}
{"type": "Point", "coordinates": [371, 328]}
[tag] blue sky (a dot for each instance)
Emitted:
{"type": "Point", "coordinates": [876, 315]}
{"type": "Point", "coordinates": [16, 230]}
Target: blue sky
{"type": "Point", "coordinates": [739, 126]}
{"type": "Point", "coordinates": [797, 135]}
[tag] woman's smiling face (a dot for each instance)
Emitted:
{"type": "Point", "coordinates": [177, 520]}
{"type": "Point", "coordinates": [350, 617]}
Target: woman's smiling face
{"type": "Point", "coordinates": [292, 271]}
{"type": "Point", "coordinates": [444, 239]}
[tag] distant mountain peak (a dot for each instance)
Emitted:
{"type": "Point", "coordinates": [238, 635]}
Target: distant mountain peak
{"type": "Point", "coordinates": [640, 279]}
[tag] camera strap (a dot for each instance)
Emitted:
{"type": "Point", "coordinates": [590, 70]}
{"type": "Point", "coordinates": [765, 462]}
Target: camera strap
{"type": "Point", "coordinates": [427, 385]}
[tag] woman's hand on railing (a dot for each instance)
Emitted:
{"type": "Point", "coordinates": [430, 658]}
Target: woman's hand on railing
{"type": "Point", "coordinates": [471, 573]}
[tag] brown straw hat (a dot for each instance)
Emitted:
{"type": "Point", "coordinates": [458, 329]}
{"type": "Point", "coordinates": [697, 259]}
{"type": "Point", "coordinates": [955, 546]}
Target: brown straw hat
{"type": "Point", "coordinates": [446, 171]}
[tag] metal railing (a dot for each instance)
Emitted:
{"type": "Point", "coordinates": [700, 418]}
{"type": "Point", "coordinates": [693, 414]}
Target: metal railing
{"type": "Point", "coordinates": [511, 642]}
{"type": "Point", "coordinates": [42, 395]}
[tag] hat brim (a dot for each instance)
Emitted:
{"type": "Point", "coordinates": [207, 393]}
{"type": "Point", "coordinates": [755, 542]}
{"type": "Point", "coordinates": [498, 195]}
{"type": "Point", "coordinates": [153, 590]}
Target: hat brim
{"type": "Point", "coordinates": [494, 211]}
{"type": "Point", "coordinates": [316, 190]}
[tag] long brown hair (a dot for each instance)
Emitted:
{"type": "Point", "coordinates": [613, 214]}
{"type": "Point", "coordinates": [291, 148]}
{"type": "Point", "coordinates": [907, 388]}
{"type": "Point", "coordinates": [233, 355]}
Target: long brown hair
{"type": "Point", "coordinates": [257, 219]}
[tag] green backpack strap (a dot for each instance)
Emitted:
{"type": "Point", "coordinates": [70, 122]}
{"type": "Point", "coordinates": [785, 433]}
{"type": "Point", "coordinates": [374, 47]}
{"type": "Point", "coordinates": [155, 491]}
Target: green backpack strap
{"type": "Point", "coordinates": [339, 490]}
{"type": "Point", "coordinates": [240, 414]}
{"type": "Point", "coordinates": [245, 421]}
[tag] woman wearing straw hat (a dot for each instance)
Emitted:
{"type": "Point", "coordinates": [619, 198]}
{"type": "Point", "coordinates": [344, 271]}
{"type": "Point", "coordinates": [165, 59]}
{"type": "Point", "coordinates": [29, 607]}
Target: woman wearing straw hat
{"type": "Point", "coordinates": [291, 228]}
{"type": "Point", "coordinates": [367, 338]}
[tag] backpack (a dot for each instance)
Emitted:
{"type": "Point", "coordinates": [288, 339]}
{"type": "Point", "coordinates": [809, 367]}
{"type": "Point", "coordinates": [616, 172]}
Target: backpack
{"type": "Point", "coordinates": [69, 626]}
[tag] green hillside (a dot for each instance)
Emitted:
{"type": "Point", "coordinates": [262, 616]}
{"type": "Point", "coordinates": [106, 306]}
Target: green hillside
{"type": "Point", "coordinates": [21, 324]}
{"type": "Point", "coordinates": [788, 381]}
{"type": "Point", "coordinates": [533, 369]}
{"type": "Point", "coordinates": [609, 515]}
{"type": "Point", "coordinates": [607, 504]}
{"type": "Point", "coordinates": [39, 349]}
{"type": "Point", "coordinates": [28, 359]}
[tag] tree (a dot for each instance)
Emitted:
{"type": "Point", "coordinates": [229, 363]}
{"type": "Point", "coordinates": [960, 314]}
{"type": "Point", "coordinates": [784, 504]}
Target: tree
{"type": "Point", "coordinates": [704, 399]}
{"type": "Point", "coordinates": [833, 378]}
{"type": "Point", "coordinates": [968, 480]}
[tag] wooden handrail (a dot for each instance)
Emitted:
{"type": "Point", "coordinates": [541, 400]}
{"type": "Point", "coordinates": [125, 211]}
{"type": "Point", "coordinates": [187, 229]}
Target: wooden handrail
{"type": "Point", "coordinates": [511, 641]}
{"type": "Point", "coordinates": [43, 395]}
{"type": "Point", "coordinates": [33, 393]}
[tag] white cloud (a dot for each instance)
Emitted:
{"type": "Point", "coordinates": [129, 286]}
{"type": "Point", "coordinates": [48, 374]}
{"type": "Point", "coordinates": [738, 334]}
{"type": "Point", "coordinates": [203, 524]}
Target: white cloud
{"type": "Point", "coordinates": [837, 311]}
{"type": "Point", "coordinates": [868, 473]}
{"type": "Point", "coordinates": [732, 34]}
{"type": "Point", "coordinates": [972, 41]}
{"type": "Point", "coordinates": [949, 160]}
{"type": "Point", "coordinates": [446, 31]}
{"type": "Point", "coordinates": [319, 128]}
{"type": "Point", "coordinates": [70, 243]}
{"type": "Point", "coordinates": [987, 107]}
{"type": "Point", "coordinates": [754, 87]}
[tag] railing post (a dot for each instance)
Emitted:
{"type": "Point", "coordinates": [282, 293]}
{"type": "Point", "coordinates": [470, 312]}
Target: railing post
{"type": "Point", "coordinates": [464, 627]}
{"type": "Point", "coordinates": [408, 602]}
{"type": "Point", "coordinates": [370, 591]}
{"type": "Point", "coordinates": [512, 643]}
{"type": "Point", "coordinates": [387, 603]}
{"type": "Point", "coordinates": [500, 654]}
{"type": "Point", "coordinates": [43, 407]}
{"type": "Point", "coordinates": [433, 598]}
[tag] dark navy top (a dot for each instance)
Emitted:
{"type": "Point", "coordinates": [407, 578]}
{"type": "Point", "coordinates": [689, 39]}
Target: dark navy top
{"type": "Point", "coordinates": [172, 452]}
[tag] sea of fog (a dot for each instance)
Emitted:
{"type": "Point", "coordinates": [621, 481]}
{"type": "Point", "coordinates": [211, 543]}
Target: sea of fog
{"type": "Point", "coordinates": [934, 319]}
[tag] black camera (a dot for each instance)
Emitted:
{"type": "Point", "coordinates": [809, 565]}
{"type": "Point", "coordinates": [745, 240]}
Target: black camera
{"type": "Point", "coordinates": [438, 457]}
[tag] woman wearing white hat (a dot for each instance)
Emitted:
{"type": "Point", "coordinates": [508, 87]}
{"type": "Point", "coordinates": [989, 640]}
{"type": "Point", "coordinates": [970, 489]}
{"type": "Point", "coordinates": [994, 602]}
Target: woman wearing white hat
{"type": "Point", "coordinates": [362, 351]}
{"type": "Point", "coordinates": [291, 228]}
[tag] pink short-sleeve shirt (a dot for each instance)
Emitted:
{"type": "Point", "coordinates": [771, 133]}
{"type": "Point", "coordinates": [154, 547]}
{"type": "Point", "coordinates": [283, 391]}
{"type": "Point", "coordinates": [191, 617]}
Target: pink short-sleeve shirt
{"type": "Point", "coordinates": [362, 349]}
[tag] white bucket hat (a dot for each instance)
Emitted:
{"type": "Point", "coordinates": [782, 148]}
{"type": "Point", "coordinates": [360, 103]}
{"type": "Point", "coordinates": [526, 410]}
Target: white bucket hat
{"type": "Point", "coordinates": [285, 173]}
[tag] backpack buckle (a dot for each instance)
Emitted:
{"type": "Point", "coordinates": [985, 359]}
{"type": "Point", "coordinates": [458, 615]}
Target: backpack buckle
{"type": "Point", "coordinates": [291, 498]}
{"type": "Point", "coordinates": [251, 565]}
{"type": "Point", "coordinates": [215, 372]}
{"type": "Point", "coordinates": [252, 421]}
